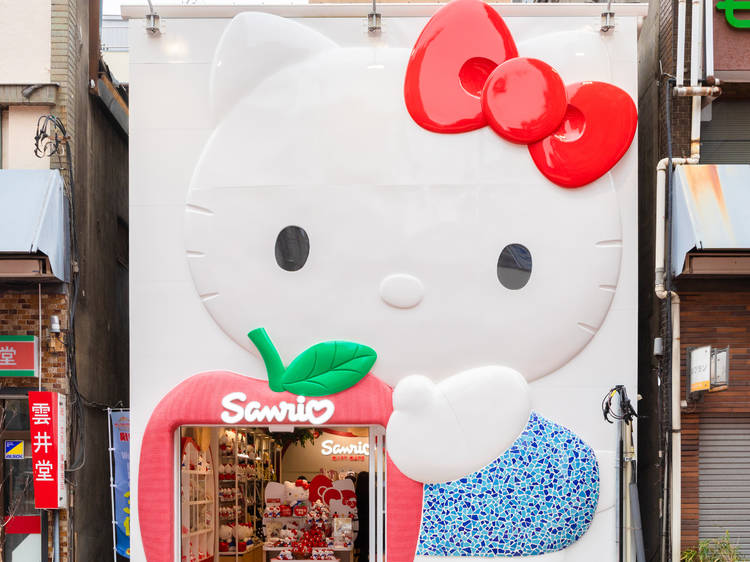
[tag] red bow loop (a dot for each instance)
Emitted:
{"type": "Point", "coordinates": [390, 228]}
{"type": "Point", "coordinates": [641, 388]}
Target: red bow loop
{"type": "Point", "coordinates": [465, 73]}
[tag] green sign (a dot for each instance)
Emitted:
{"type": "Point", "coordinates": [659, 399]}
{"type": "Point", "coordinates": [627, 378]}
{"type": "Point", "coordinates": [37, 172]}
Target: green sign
{"type": "Point", "coordinates": [729, 7]}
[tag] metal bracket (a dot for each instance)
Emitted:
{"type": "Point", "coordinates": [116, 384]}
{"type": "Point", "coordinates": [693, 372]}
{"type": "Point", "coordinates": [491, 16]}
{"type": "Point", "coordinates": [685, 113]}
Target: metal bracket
{"type": "Point", "coordinates": [608, 20]}
{"type": "Point", "coordinates": [374, 20]}
{"type": "Point", "coordinates": [152, 21]}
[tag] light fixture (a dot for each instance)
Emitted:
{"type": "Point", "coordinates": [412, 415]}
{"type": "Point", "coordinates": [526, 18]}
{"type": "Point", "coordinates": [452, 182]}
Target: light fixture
{"type": "Point", "coordinates": [54, 324]}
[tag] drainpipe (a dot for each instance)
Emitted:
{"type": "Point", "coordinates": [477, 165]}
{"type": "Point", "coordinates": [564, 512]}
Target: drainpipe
{"type": "Point", "coordinates": [661, 293]}
{"type": "Point", "coordinates": [680, 70]}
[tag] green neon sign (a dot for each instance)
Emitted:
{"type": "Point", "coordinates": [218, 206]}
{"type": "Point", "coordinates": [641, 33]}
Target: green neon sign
{"type": "Point", "coordinates": [729, 7]}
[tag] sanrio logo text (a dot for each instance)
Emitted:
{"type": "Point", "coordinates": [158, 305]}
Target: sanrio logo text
{"type": "Point", "coordinates": [327, 447]}
{"type": "Point", "coordinates": [316, 412]}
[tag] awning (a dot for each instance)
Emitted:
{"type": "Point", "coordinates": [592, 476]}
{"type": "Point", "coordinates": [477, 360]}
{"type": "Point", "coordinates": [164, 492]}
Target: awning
{"type": "Point", "coordinates": [711, 210]}
{"type": "Point", "coordinates": [34, 217]}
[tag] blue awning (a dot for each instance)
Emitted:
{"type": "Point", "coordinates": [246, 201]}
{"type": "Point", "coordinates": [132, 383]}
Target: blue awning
{"type": "Point", "coordinates": [711, 210]}
{"type": "Point", "coordinates": [34, 217]}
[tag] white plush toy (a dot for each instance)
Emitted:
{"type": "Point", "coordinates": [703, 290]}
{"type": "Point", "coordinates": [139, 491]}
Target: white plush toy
{"type": "Point", "coordinates": [294, 494]}
{"type": "Point", "coordinates": [471, 274]}
{"type": "Point", "coordinates": [225, 533]}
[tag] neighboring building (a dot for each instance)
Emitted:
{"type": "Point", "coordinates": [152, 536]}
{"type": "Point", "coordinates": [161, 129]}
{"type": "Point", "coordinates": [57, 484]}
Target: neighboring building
{"type": "Point", "coordinates": [63, 269]}
{"type": "Point", "coordinates": [694, 464]}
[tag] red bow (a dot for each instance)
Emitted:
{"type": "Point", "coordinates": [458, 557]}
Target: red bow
{"type": "Point", "coordinates": [464, 73]}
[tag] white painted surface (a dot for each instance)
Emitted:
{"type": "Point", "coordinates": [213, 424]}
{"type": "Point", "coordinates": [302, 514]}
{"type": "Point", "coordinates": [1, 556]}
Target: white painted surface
{"type": "Point", "coordinates": [25, 46]}
{"type": "Point", "coordinates": [378, 196]}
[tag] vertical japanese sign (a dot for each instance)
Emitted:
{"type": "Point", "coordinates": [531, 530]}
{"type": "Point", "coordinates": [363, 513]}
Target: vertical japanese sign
{"type": "Point", "coordinates": [48, 424]}
{"type": "Point", "coordinates": [19, 356]}
{"type": "Point", "coordinates": [121, 451]}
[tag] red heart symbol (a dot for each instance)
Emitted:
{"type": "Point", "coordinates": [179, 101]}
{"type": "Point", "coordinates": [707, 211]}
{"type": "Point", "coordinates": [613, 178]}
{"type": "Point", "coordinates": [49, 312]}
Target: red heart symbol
{"type": "Point", "coordinates": [467, 39]}
{"type": "Point", "coordinates": [331, 494]}
{"type": "Point", "coordinates": [597, 130]}
{"type": "Point", "coordinates": [524, 100]}
{"type": "Point", "coordinates": [318, 485]}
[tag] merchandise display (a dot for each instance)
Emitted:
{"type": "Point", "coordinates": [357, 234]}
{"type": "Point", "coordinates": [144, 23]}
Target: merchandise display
{"type": "Point", "coordinates": [197, 499]}
{"type": "Point", "coordinates": [237, 509]}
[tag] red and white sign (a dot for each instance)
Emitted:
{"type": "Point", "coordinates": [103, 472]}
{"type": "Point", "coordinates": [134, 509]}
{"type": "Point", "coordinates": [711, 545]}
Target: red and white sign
{"type": "Point", "coordinates": [47, 420]}
{"type": "Point", "coordinates": [19, 356]}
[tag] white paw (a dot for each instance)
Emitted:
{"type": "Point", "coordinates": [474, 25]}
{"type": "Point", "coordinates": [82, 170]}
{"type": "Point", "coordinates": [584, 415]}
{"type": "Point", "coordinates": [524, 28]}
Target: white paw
{"type": "Point", "coordinates": [443, 431]}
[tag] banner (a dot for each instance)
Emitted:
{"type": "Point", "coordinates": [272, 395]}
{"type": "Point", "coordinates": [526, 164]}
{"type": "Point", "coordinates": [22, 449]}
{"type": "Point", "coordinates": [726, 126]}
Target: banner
{"type": "Point", "coordinates": [19, 356]}
{"type": "Point", "coordinates": [120, 421]}
{"type": "Point", "coordinates": [47, 425]}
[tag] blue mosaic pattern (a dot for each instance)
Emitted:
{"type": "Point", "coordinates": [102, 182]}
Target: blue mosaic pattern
{"type": "Point", "coordinates": [539, 496]}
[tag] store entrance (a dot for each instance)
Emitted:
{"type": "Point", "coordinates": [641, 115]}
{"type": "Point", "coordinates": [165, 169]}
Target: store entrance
{"type": "Point", "coordinates": [270, 494]}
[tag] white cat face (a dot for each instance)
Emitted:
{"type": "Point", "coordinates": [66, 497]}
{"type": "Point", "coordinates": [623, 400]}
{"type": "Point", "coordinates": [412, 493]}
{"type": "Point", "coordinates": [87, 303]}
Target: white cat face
{"type": "Point", "coordinates": [405, 227]}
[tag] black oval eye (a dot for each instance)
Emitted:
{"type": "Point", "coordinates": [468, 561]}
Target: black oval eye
{"type": "Point", "coordinates": [514, 266]}
{"type": "Point", "coordinates": [292, 248]}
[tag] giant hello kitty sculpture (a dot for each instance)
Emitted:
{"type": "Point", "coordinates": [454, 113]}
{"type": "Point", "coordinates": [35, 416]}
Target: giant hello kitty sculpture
{"type": "Point", "coordinates": [449, 208]}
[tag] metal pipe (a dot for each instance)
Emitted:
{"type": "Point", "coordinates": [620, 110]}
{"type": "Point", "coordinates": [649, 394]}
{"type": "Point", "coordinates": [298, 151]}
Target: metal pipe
{"type": "Point", "coordinates": [110, 452]}
{"type": "Point", "coordinates": [618, 497]}
{"type": "Point", "coordinates": [696, 91]}
{"type": "Point", "coordinates": [39, 285]}
{"type": "Point", "coordinates": [680, 70]}
{"type": "Point", "coordinates": [676, 433]}
{"type": "Point", "coordinates": [56, 537]}
{"type": "Point", "coordinates": [696, 43]}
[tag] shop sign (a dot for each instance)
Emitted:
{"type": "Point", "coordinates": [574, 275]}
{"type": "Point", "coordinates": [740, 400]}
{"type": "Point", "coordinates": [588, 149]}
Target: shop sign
{"type": "Point", "coordinates": [47, 423]}
{"type": "Point", "coordinates": [708, 369]}
{"type": "Point", "coordinates": [729, 6]}
{"type": "Point", "coordinates": [19, 356]}
{"type": "Point", "coordinates": [700, 368]}
{"type": "Point", "coordinates": [328, 447]}
{"type": "Point", "coordinates": [728, 40]}
{"type": "Point", "coordinates": [316, 412]}
{"type": "Point", "coordinates": [14, 449]}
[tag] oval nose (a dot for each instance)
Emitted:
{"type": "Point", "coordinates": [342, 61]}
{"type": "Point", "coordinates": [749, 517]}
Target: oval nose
{"type": "Point", "coordinates": [401, 290]}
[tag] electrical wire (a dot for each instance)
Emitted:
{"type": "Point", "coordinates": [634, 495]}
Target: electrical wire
{"type": "Point", "coordinates": [626, 413]}
{"type": "Point", "coordinates": [51, 139]}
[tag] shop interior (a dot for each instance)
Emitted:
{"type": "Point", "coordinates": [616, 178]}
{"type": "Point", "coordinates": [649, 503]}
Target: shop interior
{"type": "Point", "coordinates": [257, 494]}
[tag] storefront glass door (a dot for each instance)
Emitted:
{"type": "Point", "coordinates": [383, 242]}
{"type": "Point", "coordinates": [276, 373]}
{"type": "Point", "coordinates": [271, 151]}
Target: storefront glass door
{"type": "Point", "coordinates": [22, 538]}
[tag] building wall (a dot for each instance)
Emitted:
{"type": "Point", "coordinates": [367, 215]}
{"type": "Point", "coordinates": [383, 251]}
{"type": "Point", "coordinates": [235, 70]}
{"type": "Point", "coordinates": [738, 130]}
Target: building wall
{"type": "Point", "coordinates": [25, 23]}
{"type": "Point", "coordinates": [718, 317]}
{"type": "Point", "coordinates": [100, 161]}
{"type": "Point", "coordinates": [19, 315]}
{"type": "Point", "coordinates": [57, 35]}
{"type": "Point", "coordinates": [18, 145]}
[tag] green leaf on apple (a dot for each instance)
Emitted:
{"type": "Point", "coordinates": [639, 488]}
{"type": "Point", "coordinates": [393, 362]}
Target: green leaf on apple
{"type": "Point", "coordinates": [323, 369]}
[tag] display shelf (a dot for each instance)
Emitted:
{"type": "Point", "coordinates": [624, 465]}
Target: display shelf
{"type": "Point", "coordinates": [197, 501]}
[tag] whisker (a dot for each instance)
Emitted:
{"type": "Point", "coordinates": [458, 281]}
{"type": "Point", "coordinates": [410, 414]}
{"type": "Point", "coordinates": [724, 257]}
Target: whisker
{"type": "Point", "coordinates": [609, 244]}
{"type": "Point", "coordinates": [195, 254]}
{"type": "Point", "coordinates": [198, 210]}
{"type": "Point", "coordinates": [608, 288]}
{"type": "Point", "coordinates": [208, 296]}
{"type": "Point", "coordinates": [587, 328]}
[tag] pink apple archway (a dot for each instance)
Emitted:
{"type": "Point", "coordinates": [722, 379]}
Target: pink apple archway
{"type": "Point", "coordinates": [197, 401]}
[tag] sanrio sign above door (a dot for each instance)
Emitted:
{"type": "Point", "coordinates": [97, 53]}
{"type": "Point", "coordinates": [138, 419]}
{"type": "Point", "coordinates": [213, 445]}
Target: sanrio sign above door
{"type": "Point", "coordinates": [316, 412]}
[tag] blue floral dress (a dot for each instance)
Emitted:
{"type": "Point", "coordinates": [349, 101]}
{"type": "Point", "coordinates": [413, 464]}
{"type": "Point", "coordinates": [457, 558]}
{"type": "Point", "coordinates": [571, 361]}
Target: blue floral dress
{"type": "Point", "coordinates": [538, 497]}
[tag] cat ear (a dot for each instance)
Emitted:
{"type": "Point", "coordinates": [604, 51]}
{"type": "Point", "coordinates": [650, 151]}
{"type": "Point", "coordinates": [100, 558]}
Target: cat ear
{"type": "Point", "coordinates": [255, 45]}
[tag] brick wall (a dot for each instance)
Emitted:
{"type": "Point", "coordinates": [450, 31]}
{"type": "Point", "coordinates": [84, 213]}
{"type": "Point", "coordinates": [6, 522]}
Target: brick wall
{"type": "Point", "coordinates": [19, 315]}
{"type": "Point", "coordinates": [719, 319]}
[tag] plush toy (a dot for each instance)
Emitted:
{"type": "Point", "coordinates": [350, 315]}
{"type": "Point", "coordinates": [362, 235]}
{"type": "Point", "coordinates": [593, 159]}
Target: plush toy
{"type": "Point", "coordinates": [294, 494]}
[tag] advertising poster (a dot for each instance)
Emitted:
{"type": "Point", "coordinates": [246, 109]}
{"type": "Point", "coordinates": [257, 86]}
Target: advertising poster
{"type": "Point", "coordinates": [120, 421]}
